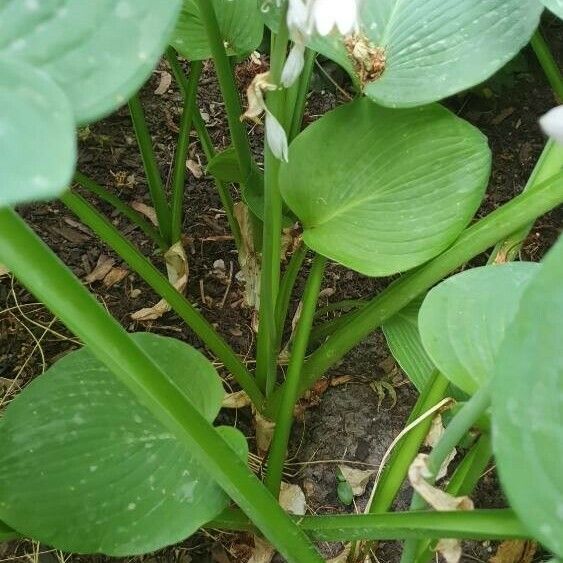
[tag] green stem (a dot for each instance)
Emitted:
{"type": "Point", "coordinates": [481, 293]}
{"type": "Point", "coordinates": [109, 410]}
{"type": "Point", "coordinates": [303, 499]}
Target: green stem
{"type": "Point", "coordinates": [286, 287]}
{"type": "Point", "coordinates": [284, 420]}
{"type": "Point", "coordinates": [548, 63]}
{"type": "Point", "coordinates": [301, 97]}
{"type": "Point", "coordinates": [476, 524]}
{"type": "Point", "coordinates": [463, 481]}
{"type": "Point", "coordinates": [123, 208]}
{"type": "Point", "coordinates": [550, 162]}
{"type": "Point", "coordinates": [460, 424]}
{"type": "Point", "coordinates": [228, 87]}
{"type": "Point", "coordinates": [505, 220]}
{"type": "Point", "coordinates": [108, 233]}
{"type": "Point", "coordinates": [179, 173]}
{"type": "Point", "coordinates": [49, 280]}
{"type": "Point", "coordinates": [154, 180]}
{"type": "Point", "coordinates": [207, 145]}
{"type": "Point", "coordinates": [267, 341]}
{"type": "Point", "coordinates": [398, 465]}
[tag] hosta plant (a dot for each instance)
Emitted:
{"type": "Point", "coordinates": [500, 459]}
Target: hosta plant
{"type": "Point", "coordinates": [113, 449]}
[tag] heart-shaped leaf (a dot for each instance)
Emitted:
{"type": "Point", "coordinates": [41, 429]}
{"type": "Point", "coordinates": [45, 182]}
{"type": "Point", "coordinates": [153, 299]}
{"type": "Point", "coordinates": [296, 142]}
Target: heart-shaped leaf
{"type": "Point", "coordinates": [99, 53]}
{"type": "Point", "coordinates": [382, 191]}
{"type": "Point", "coordinates": [85, 467]}
{"type": "Point", "coordinates": [6, 533]}
{"type": "Point", "coordinates": [403, 338]}
{"type": "Point", "coordinates": [239, 22]}
{"type": "Point", "coordinates": [527, 414]}
{"type": "Point", "coordinates": [416, 52]}
{"type": "Point", "coordinates": [556, 6]}
{"type": "Point", "coordinates": [463, 320]}
{"type": "Point", "coordinates": [37, 141]}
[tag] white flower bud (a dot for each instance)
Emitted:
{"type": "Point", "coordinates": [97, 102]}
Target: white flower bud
{"type": "Point", "coordinates": [552, 124]}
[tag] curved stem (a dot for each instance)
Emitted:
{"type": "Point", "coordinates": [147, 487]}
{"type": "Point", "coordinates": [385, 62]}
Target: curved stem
{"type": "Point", "coordinates": [154, 180]}
{"type": "Point", "coordinates": [108, 233]}
{"type": "Point", "coordinates": [123, 208]}
{"type": "Point", "coordinates": [37, 267]}
{"type": "Point", "coordinates": [505, 220]}
{"type": "Point", "coordinates": [278, 448]}
{"type": "Point", "coordinates": [179, 173]}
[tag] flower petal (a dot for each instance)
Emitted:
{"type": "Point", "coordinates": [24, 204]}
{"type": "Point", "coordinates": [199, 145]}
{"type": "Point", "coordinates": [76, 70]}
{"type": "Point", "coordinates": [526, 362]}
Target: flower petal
{"type": "Point", "coordinates": [293, 65]}
{"type": "Point", "coordinates": [552, 124]}
{"type": "Point", "coordinates": [276, 137]}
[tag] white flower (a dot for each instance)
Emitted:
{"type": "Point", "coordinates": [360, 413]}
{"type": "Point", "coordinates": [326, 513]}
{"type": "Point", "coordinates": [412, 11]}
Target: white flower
{"type": "Point", "coordinates": [306, 17]}
{"type": "Point", "coordinates": [552, 124]}
{"type": "Point", "coordinates": [275, 134]}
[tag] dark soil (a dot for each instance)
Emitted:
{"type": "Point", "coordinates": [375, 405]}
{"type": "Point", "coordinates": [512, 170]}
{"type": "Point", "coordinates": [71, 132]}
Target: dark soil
{"type": "Point", "coordinates": [347, 425]}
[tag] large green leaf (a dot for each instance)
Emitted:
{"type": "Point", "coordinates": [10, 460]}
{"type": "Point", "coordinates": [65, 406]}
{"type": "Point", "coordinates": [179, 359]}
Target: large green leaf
{"type": "Point", "coordinates": [37, 142]}
{"type": "Point", "coordinates": [382, 191]}
{"type": "Point", "coordinates": [528, 406]}
{"type": "Point", "coordinates": [85, 467]}
{"type": "Point", "coordinates": [239, 21]}
{"type": "Point", "coordinates": [463, 320]}
{"type": "Point", "coordinates": [432, 48]}
{"type": "Point", "coordinates": [99, 52]}
{"type": "Point", "coordinates": [6, 533]}
{"type": "Point", "coordinates": [403, 338]}
{"type": "Point", "coordinates": [556, 6]}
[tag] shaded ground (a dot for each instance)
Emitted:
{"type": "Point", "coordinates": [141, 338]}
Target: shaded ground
{"type": "Point", "coordinates": [348, 423]}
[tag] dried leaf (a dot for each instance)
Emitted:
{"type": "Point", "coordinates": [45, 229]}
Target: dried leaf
{"type": "Point", "coordinates": [3, 270]}
{"type": "Point", "coordinates": [356, 478]}
{"type": "Point", "coordinates": [114, 276]}
{"type": "Point", "coordinates": [450, 550]}
{"type": "Point", "coordinates": [146, 210]}
{"type": "Point", "coordinates": [249, 258]}
{"type": "Point", "coordinates": [434, 435]}
{"type": "Point", "coordinates": [438, 499]}
{"type": "Point", "coordinates": [195, 168]}
{"type": "Point", "coordinates": [264, 433]}
{"type": "Point", "coordinates": [515, 551]}
{"type": "Point", "coordinates": [263, 552]}
{"type": "Point", "coordinates": [292, 499]}
{"type": "Point", "coordinates": [101, 269]}
{"type": "Point", "coordinates": [236, 400]}
{"type": "Point", "coordinates": [178, 271]}
{"type": "Point", "coordinates": [164, 84]}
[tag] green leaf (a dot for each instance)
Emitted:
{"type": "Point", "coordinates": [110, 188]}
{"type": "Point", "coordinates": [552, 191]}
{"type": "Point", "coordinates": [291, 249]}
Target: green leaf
{"type": "Point", "coordinates": [99, 53]}
{"type": "Point", "coordinates": [225, 167]}
{"type": "Point", "coordinates": [382, 191]}
{"type": "Point", "coordinates": [239, 22]}
{"type": "Point", "coordinates": [556, 6]}
{"type": "Point", "coordinates": [527, 406]}
{"type": "Point", "coordinates": [403, 338]}
{"type": "Point", "coordinates": [6, 533]}
{"type": "Point", "coordinates": [37, 141]}
{"type": "Point", "coordinates": [85, 467]}
{"type": "Point", "coordinates": [463, 320]}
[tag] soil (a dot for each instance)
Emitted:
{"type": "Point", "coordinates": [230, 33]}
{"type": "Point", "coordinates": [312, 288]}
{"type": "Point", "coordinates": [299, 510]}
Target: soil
{"type": "Point", "coordinates": [348, 425]}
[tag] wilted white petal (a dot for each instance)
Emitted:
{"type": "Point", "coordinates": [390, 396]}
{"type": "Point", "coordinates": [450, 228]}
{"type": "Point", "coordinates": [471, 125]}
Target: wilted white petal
{"type": "Point", "coordinates": [293, 65]}
{"type": "Point", "coordinates": [552, 124]}
{"type": "Point", "coordinates": [276, 137]}
{"type": "Point", "coordinates": [296, 15]}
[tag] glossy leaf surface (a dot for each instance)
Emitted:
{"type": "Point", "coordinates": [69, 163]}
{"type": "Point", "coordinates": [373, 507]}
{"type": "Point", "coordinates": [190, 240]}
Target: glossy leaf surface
{"type": "Point", "coordinates": [528, 406]}
{"type": "Point", "coordinates": [85, 467]}
{"type": "Point", "coordinates": [464, 319]}
{"type": "Point", "coordinates": [382, 191]}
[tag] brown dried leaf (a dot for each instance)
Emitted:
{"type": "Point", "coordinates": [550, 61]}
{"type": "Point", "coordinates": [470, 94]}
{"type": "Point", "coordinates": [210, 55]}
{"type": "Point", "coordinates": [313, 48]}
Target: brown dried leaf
{"type": "Point", "coordinates": [263, 552]}
{"type": "Point", "coordinates": [292, 499]}
{"type": "Point", "coordinates": [178, 271]}
{"type": "Point", "coordinates": [164, 84]}
{"type": "Point", "coordinates": [434, 434]}
{"type": "Point", "coordinates": [357, 478]}
{"type": "Point", "coordinates": [114, 276]}
{"type": "Point", "coordinates": [3, 270]}
{"type": "Point", "coordinates": [236, 400]}
{"type": "Point", "coordinates": [195, 168]}
{"type": "Point", "coordinates": [249, 258]}
{"type": "Point", "coordinates": [515, 551]}
{"type": "Point", "coordinates": [101, 269]}
{"type": "Point", "coordinates": [450, 550]}
{"type": "Point", "coordinates": [264, 433]}
{"type": "Point", "coordinates": [435, 497]}
{"type": "Point", "coordinates": [146, 210]}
